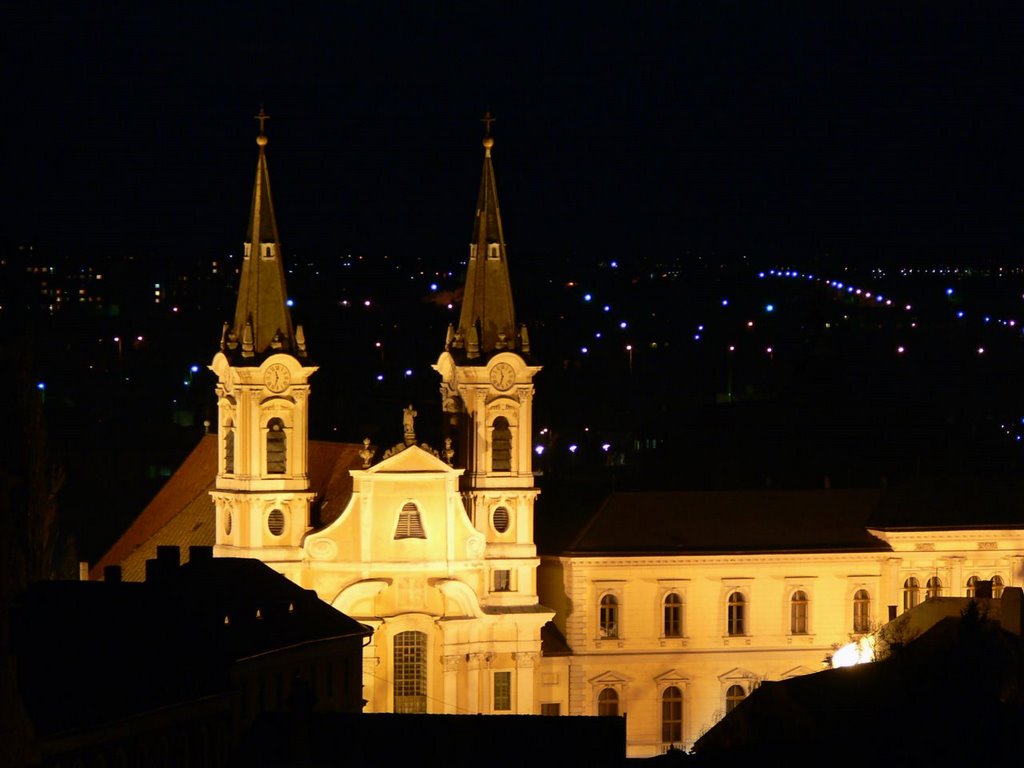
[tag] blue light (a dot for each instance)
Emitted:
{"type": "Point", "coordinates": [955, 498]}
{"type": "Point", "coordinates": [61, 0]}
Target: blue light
{"type": "Point", "coordinates": [194, 369]}
{"type": "Point", "coordinates": [380, 377]}
{"type": "Point", "coordinates": [433, 286]}
{"type": "Point", "coordinates": [539, 450]}
{"type": "Point", "coordinates": [949, 291]}
{"type": "Point", "coordinates": [41, 386]}
{"type": "Point", "coordinates": [696, 337]}
{"type": "Point", "coordinates": [587, 297]}
{"type": "Point", "coordinates": [584, 350]}
{"type": "Point", "coordinates": [761, 274]}
{"type": "Point", "coordinates": [290, 303]}
{"type": "Point", "coordinates": [614, 265]}
{"type": "Point", "coordinates": [607, 308]}
{"type": "Point", "coordinates": [606, 447]}
{"type": "Point", "coordinates": [622, 324]}
{"type": "Point", "coordinates": [408, 371]}
{"type": "Point", "coordinates": [573, 448]}
{"type": "Point", "coordinates": [960, 313]}
{"type": "Point", "coordinates": [725, 302]}
{"type": "Point", "coordinates": [769, 307]}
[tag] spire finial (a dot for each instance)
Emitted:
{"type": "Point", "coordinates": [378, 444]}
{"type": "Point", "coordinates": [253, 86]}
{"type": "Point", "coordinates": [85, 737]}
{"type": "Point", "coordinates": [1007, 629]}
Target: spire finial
{"type": "Point", "coordinates": [487, 119]}
{"type": "Point", "coordinates": [262, 117]}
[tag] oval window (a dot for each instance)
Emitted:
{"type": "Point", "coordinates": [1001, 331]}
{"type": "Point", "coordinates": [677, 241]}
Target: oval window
{"type": "Point", "coordinates": [275, 522]}
{"type": "Point", "coordinates": [500, 519]}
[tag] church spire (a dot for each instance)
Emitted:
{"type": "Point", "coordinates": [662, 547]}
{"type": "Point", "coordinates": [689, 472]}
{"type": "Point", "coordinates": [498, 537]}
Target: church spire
{"type": "Point", "coordinates": [262, 323]}
{"type": "Point", "coordinates": [487, 320]}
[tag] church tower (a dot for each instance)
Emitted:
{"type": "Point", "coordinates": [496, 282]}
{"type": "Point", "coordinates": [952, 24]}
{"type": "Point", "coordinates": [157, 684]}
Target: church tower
{"type": "Point", "coordinates": [262, 494]}
{"type": "Point", "coordinates": [487, 375]}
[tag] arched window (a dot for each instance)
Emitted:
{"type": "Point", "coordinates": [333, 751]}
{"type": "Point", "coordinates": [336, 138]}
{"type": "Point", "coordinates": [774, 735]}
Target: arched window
{"type": "Point", "coordinates": [672, 715]}
{"type": "Point", "coordinates": [410, 674]}
{"type": "Point", "coordinates": [997, 587]}
{"type": "Point", "coordinates": [733, 697]}
{"type": "Point", "coordinates": [672, 625]}
{"type": "Point", "coordinates": [933, 588]}
{"type": "Point", "coordinates": [736, 621]}
{"type": "Point", "coordinates": [276, 448]}
{"type": "Point", "coordinates": [798, 613]}
{"type": "Point", "coordinates": [229, 450]}
{"type": "Point", "coordinates": [501, 446]}
{"type": "Point", "coordinates": [608, 703]}
{"type": "Point", "coordinates": [861, 611]}
{"type": "Point", "coordinates": [608, 617]}
{"type": "Point", "coordinates": [972, 585]}
{"type": "Point", "coordinates": [409, 524]}
{"type": "Point", "coordinates": [911, 593]}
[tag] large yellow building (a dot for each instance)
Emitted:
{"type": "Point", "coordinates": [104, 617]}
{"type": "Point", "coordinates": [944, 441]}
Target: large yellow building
{"type": "Point", "coordinates": [668, 607]}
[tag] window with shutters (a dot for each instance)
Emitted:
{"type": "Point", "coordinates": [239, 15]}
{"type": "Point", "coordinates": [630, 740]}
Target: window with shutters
{"type": "Point", "coordinates": [409, 524]}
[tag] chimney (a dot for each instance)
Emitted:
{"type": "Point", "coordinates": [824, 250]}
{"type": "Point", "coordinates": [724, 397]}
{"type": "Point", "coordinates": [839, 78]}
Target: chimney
{"type": "Point", "coordinates": [198, 554]}
{"type": "Point", "coordinates": [83, 570]}
{"type": "Point", "coordinates": [112, 574]}
{"type": "Point", "coordinates": [983, 590]}
{"type": "Point", "coordinates": [167, 560]}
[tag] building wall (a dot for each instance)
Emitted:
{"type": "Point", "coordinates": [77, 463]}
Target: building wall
{"type": "Point", "coordinates": [638, 661]}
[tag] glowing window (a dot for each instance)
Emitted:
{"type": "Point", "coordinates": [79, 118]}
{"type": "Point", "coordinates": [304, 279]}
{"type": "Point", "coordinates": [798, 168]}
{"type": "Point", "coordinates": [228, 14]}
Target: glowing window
{"type": "Point", "coordinates": [410, 674]}
{"type": "Point", "coordinates": [608, 617]}
{"type": "Point", "coordinates": [410, 526]}
{"type": "Point", "coordinates": [972, 585]}
{"type": "Point", "coordinates": [997, 586]}
{"type": "Point", "coordinates": [798, 613]}
{"type": "Point", "coordinates": [733, 697]}
{"type": "Point", "coordinates": [933, 588]}
{"type": "Point", "coordinates": [861, 611]}
{"type": "Point", "coordinates": [277, 454]}
{"type": "Point", "coordinates": [502, 691]}
{"type": "Point", "coordinates": [911, 593]}
{"type": "Point", "coordinates": [229, 451]}
{"type": "Point", "coordinates": [501, 446]}
{"type": "Point", "coordinates": [608, 703]}
{"type": "Point", "coordinates": [672, 715]}
{"type": "Point", "coordinates": [737, 614]}
{"type": "Point", "coordinates": [672, 615]}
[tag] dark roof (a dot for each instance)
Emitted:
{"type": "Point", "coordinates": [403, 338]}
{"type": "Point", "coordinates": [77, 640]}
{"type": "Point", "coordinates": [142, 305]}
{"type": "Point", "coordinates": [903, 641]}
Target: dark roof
{"type": "Point", "coordinates": [711, 522]}
{"type": "Point", "coordinates": [182, 513]}
{"type": "Point", "coordinates": [83, 647]}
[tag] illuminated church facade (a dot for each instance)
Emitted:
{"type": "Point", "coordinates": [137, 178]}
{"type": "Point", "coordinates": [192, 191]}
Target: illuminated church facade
{"type": "Point", "coordinates": [668, 608]}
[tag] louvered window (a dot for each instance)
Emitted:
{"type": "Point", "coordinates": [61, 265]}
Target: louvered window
{"type": "Point", "coordinates": [409, 524]}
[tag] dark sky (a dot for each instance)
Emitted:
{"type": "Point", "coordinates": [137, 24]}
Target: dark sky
{"type": "Point", "coordinates": [891, 132]}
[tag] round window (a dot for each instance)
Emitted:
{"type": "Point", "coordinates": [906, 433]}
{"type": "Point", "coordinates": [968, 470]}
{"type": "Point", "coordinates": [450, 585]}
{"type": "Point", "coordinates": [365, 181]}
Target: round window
{"type": "Point", "coordinates": [500, 518]}
{"type": "Point", "coordinates": [275, 522]}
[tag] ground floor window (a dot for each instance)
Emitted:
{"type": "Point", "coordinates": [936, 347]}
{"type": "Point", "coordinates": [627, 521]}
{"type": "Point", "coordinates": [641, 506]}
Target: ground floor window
{"type": "Point", "coordinates": [672, 715]}
{"type": "Point", "coordinates": [411, 672]}
{"type": "Point", "coordinates": [608, 703]}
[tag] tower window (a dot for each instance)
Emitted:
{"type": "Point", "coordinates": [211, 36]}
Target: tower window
{"type": "Point", "coordinates": [229, 451]}
{"type": "Point", "coordinates": [493, 251]}
{"type": "Point", "coordinates": [277, 455]}
{"type": "Point", "coordinates": [275, 522]}
{"type": "Point", "coordinates": [411, 672]}
{"type": "Point", "coordinates": [502, 580]}
{"type": "Point", "coordinates": [409, 524]}
{"type": "Point", "coordinates": [500, 519]}
{"type": "Point", "coordinates": [501, 446]}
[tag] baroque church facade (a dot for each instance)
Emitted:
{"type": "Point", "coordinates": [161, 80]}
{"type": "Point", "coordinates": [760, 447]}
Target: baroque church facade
{"type": "Point", "coordinates": [668, 607]}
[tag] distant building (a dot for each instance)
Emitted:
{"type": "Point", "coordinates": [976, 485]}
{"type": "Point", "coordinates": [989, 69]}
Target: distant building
{"type": "Point", "coordinates": [174, 669]}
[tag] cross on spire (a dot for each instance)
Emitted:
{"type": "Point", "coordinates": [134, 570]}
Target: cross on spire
{"type": "Point", "coordinates": [487, 119]}
{"type": "Point", "coordinates": [262, 117]}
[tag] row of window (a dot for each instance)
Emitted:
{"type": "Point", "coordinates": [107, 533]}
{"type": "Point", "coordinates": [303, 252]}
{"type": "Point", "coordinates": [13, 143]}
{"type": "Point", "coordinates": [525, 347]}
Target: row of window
{"type": "Point", "coordinates": [737, 605]}
{"type": "Point", "coordinates": [736, 614]}
{"type": "Point", "coordinates": [671, 708]}
{"type": "Point", "coordinates": [933, 588]}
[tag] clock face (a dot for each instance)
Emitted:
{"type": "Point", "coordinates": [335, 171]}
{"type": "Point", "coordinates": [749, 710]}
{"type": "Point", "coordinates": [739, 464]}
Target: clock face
{"type": "Point", "coordinates": [277, 378]}
{"type": "Point", "coordinates": [503, 376]}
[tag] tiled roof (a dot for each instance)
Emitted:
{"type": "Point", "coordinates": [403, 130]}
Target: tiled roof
{"type": "Point", "coordinates": [718, 522]}
{"type": "Point", "coordinates": [182, 513]}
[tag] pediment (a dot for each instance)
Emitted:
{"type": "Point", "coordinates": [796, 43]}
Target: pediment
{"type": "Point", "coordinates": [738, 673]}
{"type": "Point", "coordinates": [796, 672]}
{"type": "Point", "coordinates": [412, 459]}
{"type": "Point", "coordinates": [672, 676]}
{"type": "Point", "coordinates": [610, 678]}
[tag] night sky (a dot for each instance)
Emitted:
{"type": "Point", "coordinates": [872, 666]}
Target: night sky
{"type": "Point", "coordinates": [888, 133]}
